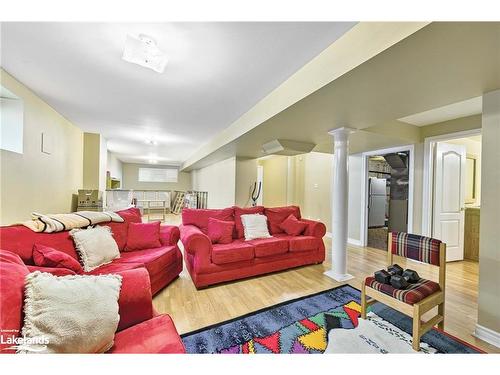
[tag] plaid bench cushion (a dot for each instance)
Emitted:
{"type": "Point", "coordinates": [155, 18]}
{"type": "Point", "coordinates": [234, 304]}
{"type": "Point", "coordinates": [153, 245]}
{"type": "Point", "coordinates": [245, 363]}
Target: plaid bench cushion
{"type": "Point", "coordinates": [423, 249]}
{"type": "Point", "coordinates": [413, 294]}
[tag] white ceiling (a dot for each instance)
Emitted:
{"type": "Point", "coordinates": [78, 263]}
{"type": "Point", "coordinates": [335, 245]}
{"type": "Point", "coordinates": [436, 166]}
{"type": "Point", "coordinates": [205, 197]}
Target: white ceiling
{"type": "Point", "coordinates": [216, 72]}
{"type": "Point", "coordinates": [452, 111]}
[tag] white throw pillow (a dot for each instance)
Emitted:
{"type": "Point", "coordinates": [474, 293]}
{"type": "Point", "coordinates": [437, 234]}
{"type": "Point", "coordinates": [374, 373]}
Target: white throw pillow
{"type": "Point", "coordinates": [70, 314]}
{"type": "Point", "coordinates": [255, 226]}
{"type": "Point", "coordinates": [96, 246]}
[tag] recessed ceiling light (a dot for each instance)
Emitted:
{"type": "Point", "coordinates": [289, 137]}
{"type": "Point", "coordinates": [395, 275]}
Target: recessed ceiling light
{"type": "Point", "coordinates": [144, 51]}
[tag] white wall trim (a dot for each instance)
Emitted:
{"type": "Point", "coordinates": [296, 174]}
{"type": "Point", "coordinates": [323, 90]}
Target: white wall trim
{"type": "Point", "coordinates": [353, 241]}
{"type": "Point", "coordinates": [364, 187]}
{"type": "Point", "coordinates": [428, 169]}
{"type": "Point", "coordinates": [488, 335]}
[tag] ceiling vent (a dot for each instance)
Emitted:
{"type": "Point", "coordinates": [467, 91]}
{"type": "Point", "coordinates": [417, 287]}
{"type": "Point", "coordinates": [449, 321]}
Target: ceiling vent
{"type": "Point", "coordinates": [288, 148]}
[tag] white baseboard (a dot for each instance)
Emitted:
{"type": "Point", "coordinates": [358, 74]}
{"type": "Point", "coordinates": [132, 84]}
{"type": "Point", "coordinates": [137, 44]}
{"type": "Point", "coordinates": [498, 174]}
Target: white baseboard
{"type": "Point", "coordinates": [354, 242]}
{"type": "Point", "coordinates": [350, 241]}
{"type": "Point", "coordinates": [488, 335]}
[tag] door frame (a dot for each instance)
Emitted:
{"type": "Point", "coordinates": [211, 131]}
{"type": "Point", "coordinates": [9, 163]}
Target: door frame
{"type": "Point", "coordinates": [428, 174]}
{"type": "Point", "coordinates": [364, 186]}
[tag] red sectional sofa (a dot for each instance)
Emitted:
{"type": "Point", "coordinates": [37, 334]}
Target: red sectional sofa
{"type": "Point", "coordinates": [163, 264]}
{"type": "Point", "coordinates": [140, 330]}
{"type": "Point", "coordinates": [209, 263]}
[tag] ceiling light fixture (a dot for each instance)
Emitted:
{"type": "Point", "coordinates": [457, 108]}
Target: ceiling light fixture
{"type": "Point", "coordinates": [153, 161]}
{"type": "Point", "coordinates": [144, 51]}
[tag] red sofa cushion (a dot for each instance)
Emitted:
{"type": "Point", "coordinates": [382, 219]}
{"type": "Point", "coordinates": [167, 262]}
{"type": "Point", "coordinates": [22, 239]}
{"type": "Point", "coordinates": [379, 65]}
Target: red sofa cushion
{"type": "Point", "coordinates": [238, 211]}
{"type": "Point", "coordinates": [220, 231]}
{"type": "Point", "coordinates": [156, 260]}
{"type": "Point", "coordinates": [45, 256]}
{"type": "Point", "coordinates": [293, 226]}
{"type": "Point", "coordinates": [233, 252]}
{"type": "Point", "coordinates": [20, 240]}
{"type": "Point", "coordinates": [12, 273]}
{"type": "Point", "coordinates": [131, 215]}
{"type": "Point", "coordinates": [120, 230]}
{"type": "Point", "coordinates": [53, 270]}
{"type": "Point", "coordinates": [115, 267]}
{"type": "Point", "coordinates": [277, 215]}
{"type": "Point", "coordinates": [156, 335]}
{"type": "Point", "coordinates": [199, 217]}
{"type": "Point", "coordinates": [143, 236]}
{"type": "Point", "coordinates": [303, 243]}
{"type": "Point", "coordinates": [266, 247]}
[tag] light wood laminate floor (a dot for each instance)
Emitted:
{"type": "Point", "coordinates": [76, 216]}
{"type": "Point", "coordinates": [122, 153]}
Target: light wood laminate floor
{"type": "Point", "coordinates": [192, 309]}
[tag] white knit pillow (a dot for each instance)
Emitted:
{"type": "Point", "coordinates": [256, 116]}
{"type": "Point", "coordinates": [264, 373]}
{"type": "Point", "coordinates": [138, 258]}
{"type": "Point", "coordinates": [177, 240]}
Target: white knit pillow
{"type": "Point", "coordinates": [70, 314]}
{"type": "Point", "coordinates": [255, 226]}
{"type": "Point", "coordinates": [96, 246]}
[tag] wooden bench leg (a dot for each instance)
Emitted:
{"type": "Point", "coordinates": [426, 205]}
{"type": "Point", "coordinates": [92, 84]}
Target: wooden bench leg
{"type": "Point", "coordinates": [363, 301]}
{"type": "Point", "coordinates": [441, 312]}
{"type": "Point", "coordinates": [416, 328]}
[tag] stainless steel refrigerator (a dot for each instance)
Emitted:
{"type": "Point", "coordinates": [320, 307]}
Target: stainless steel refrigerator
{"type": "Point", "coordinates": [377, 202]}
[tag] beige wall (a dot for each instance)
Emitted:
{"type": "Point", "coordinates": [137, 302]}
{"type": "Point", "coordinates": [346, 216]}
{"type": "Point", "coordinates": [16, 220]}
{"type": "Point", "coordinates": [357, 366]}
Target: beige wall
{"type": "Point", "coordinates": [131, 179]}
{"type": "Point", "coordinates": [246, 176]}
{"type": "Point", "coordinates": [451, 126]}
{"type": "Point", "coordinates": [489, 240]}
{"type": "Point", "coordinates": [317, 181]}
{"type": "Point", "coordinates": [275, 181]}
{"type": "Point", "coordinates": [91, 151]}
{"type": "Point", "coordinates": [115, 167]}
{"type": "Point", "coordinates": [219, 180]}
{"type": "Point", "coordinates": [95, 160]}
{"type": "Point", "coordinates": [35, 181]}
{"type": "Point", "coordinates": [303, 180]}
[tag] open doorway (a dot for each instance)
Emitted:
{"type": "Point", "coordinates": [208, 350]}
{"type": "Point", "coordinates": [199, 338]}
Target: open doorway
{"type": "Point", "coordinates": [387, 194]}
{"type": "Point", "coordinates": [453, 193]}
{"type": "Point", "coordinates": [388, 179]}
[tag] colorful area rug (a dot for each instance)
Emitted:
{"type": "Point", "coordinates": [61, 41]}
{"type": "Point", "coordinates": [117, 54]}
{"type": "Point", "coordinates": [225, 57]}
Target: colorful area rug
{"type": "Point", "coordinates": [323, 322]}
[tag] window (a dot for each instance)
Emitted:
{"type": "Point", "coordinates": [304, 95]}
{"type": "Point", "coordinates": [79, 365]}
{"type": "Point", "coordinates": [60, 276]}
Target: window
{"type": "Point", "coordinates": [158, 174]}
{"type": "Point", "coordinates": [11, 121]}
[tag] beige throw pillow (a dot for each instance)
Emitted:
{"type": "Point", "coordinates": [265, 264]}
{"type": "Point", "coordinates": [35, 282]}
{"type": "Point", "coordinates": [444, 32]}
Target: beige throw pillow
{"type": "Point", "coordinates": [70, 314]}
{"type": "Point", "coordinates": [96, 246]}
{"type": "Point", "coordinates": [255, 226]}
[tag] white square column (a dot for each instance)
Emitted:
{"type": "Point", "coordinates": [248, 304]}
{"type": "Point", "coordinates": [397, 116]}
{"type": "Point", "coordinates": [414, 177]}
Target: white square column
{"type": "Point", "coordinates": [340, 191]}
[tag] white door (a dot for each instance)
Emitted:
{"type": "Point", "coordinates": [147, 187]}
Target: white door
{"type": "Point", "coordinates": [449, 198]}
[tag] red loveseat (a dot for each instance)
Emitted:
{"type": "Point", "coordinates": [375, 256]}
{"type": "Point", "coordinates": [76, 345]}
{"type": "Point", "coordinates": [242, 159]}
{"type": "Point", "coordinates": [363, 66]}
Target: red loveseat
{"type": "Point", "coordinates": [209, 263]}
{"type": "Point", "coordinates": [163, 263]}
{"type": "Point", "coordinates": [140, 330]}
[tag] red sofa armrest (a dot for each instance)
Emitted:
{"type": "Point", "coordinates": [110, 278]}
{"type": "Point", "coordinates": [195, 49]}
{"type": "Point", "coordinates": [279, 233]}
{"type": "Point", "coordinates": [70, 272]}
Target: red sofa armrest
{"type": "Point", "coordinates": [198, 246]}
{"type": "Point", "coordinates": [135, 301]}
{"type": "Point", "coordinates": [157, 335]}
{"type": "Point", "coordinates": [56, 271]}
{"type": "Point", "coordinates": [314, 228]}
{"type": "Point", "coordinates": [169, 235]}
{"type": "Point", "coordinates": [194, 240]}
